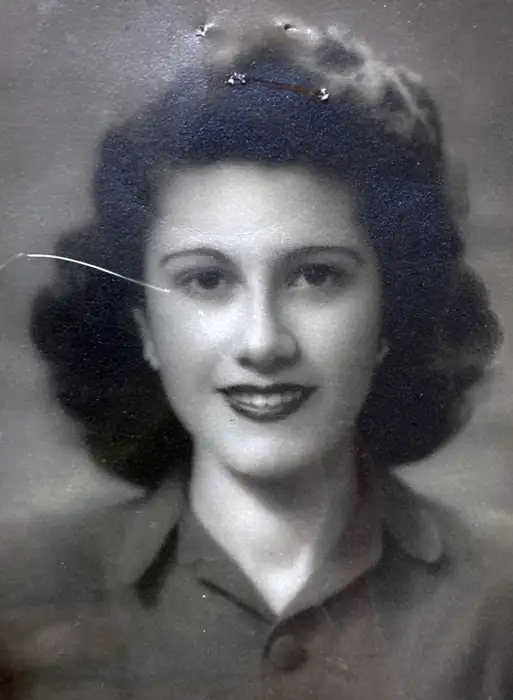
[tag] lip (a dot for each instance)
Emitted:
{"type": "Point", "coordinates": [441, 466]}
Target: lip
{"type": "Point", "coordinates": [266, 403]}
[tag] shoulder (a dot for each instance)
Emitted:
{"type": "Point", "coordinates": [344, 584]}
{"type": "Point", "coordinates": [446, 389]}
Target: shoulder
{"type": "Point", "coordinates": [476, 580]}
{"type": "Point", "coordinates": [56, 614]}
{"type": "Point", "coordinates": [477, 538]}
{"type": "Point", "coordinates": [62, 557]}
{"type": "Point", "coordinates": [475, 533]}
{"type": "Point", "coordinates": [481, 545]}
{"type": "Point", "coordinates": [456, 606]}
{"type": "Point", "coordinates": [465, 549]}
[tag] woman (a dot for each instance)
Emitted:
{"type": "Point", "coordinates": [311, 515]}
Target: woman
{"type": "Point", "coordinates": [301, 320]}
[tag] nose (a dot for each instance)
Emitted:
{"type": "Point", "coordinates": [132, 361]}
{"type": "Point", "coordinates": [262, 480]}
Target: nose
{"type": "Point", "coordinates": [266, 343]}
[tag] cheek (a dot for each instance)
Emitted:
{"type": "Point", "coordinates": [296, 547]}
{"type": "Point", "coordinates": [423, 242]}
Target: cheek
{"type": "Point", "coordinates": [343, 337]}
{"type": "Point", "coordinates": [182, 327]}
{"type": "Point", "coordinates": [186, 342]}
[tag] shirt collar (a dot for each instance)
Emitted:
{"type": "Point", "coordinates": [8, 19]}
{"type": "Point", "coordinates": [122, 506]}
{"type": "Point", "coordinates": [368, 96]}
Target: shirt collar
{"type": "Point", "coordinates": [357, 550]}
{"type": "Point", "coordinates": [384, 504]}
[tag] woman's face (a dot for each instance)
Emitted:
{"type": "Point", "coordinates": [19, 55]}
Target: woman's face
{"type": "Point", "coordinates": [266, 343]}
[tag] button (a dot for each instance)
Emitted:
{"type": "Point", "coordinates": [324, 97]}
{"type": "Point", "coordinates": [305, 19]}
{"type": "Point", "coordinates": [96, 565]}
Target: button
{"type": "Point", "coordinates": [287, 653]}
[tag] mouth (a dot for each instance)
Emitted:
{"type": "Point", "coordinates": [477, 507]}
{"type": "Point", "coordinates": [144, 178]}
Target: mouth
{"type": "Point", "coordinates": [273, 402]}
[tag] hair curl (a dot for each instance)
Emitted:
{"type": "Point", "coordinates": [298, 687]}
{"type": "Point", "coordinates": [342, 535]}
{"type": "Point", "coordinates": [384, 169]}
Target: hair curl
{"type": "Point", "coordinates": [380, 134]}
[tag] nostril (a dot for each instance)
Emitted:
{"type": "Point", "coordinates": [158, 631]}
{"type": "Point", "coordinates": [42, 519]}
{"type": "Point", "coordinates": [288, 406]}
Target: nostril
{"type": "Point", "coordinates": [268, 353]}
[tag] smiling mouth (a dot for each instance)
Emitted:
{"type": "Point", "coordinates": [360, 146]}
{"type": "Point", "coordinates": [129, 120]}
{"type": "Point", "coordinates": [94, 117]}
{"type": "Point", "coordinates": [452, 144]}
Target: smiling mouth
{"type": "Point", "coordinates": [275, 402]}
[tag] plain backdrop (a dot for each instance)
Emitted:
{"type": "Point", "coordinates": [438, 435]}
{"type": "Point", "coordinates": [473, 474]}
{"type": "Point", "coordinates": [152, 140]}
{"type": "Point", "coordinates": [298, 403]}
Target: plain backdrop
{"type": "Point", "coordinates": [69, 68]}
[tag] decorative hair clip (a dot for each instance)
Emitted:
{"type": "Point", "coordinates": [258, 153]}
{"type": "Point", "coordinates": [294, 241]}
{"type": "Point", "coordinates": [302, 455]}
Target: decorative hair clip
{"type": "Point", "coordinates": [242, 79]}
{"type": "Point", "coordinates": [237, 79]}
{"type": "Point", "coordinates": [202, 30]}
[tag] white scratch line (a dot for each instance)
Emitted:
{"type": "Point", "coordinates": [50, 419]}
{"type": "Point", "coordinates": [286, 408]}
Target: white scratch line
{"type": "Point", "coordinates": [84, 264]}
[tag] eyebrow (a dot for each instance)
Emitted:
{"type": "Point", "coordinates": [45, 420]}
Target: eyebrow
{"type": "Point", "coordinates": [304, 251]}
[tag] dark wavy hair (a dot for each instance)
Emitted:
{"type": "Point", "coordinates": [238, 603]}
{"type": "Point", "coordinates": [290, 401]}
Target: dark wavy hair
{"type": "Point", "coordinates": [379, 133]}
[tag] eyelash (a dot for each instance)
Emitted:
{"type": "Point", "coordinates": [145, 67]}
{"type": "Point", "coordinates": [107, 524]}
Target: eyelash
{"type": "Point", "coordinates": [338, 276]}
{"type": "Point", "coordinates": [190, 280]}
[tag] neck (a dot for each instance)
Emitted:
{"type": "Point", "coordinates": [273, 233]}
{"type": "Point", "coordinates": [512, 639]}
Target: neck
{"type": "Point", "coordinates": [273, 526]}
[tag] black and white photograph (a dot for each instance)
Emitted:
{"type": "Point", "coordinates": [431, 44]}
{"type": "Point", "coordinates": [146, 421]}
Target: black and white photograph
{"type": "Point", "coordinates": [256, 361]}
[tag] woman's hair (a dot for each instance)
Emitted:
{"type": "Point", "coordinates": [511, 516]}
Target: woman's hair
{"type": "Point", "coordinates": [373, 127]}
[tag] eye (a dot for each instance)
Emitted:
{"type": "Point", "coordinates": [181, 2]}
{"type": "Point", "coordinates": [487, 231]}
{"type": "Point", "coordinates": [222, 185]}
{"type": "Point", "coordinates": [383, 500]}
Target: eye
{"type": "Point", "coordinates": [319, 276]}
{"type": "Point", "coordinates": [207, 282]}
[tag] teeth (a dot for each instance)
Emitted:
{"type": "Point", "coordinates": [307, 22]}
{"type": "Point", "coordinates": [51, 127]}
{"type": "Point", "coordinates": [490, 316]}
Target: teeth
{"type": "Point", "coordinates": [267, 400]}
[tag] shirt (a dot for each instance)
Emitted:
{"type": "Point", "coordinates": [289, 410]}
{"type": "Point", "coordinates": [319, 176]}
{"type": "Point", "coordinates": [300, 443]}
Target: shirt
{"type": "Point", "coordinates": [410, 603]}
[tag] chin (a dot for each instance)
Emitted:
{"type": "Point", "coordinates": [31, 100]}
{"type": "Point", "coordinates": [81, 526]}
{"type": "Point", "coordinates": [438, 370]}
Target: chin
{"type": "Point", "coordinates": [268, 463]}
{"type": "Point", "coordinates": [264, 471]}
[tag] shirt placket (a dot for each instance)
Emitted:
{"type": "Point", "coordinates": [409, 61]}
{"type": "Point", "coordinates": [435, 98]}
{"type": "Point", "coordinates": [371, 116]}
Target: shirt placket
{"type": "Point", "coordinates": [335, 650]}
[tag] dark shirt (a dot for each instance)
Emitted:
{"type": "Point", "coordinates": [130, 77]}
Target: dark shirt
{"type": "Point", "coordinates": [410, 603]}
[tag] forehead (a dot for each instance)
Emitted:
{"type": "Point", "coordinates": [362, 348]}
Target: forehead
{"type": "Point", "coordinates": [241, 205]}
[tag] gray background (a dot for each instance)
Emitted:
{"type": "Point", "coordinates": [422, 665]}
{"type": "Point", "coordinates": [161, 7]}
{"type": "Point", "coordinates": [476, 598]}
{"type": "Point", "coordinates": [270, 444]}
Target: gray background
{"type": "Point", "coordinates": [70, 68]}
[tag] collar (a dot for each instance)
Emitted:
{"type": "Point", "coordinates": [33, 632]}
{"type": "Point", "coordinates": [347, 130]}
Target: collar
{"type": "Point", "coordinates": [357, 550]}
{"type": "Point", "coordinates": [384, 505]}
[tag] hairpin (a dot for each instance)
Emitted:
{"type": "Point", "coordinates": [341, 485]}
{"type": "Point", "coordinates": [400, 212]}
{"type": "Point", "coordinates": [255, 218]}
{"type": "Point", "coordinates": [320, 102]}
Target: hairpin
{"type": "Point", "coordinates": [202, 30]}
{"type": "Point", "coordinates": [243, 79]}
